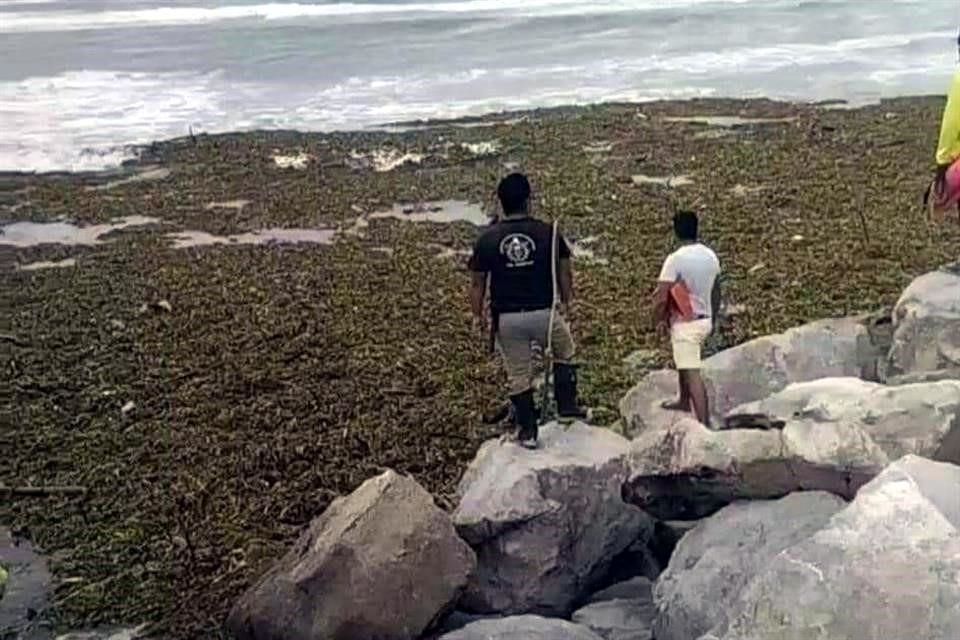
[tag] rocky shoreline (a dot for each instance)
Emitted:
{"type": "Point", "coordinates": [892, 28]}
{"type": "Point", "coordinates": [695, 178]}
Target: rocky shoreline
{"type": "Point", "coordinates": [841, 487]}
{"type": "Point", "coordinates": [214, 399]}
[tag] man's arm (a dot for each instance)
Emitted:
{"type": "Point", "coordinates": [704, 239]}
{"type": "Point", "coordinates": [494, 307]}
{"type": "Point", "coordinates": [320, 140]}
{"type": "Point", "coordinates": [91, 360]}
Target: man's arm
{"type": "Point", "coordinates": [661, 295]}
{"type": "Point", "coordinates": [661, 303]}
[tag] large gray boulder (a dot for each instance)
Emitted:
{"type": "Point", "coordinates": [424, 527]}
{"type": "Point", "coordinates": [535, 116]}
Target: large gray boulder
{"type": "Point", "coordinates": [527, 627]}
{"type": "Point", "coordinates": [758, 368]}
{"type": "Point", "coordinates": [715, 560]}
{"type": "Point", "coordinates": [624, 611]}
{"type": "Point", "coordinates": [687, 471]}
{"type": "Point", "coordinates": [927, 324]}
{"type": "Point", "coordinates": [922, 418]}
{"type": "Point", "coordinates": [619, 619]}
{"type": "Point", "coordinates": [547, 523]}
{"type": "Point", "coordinates": [887, 567]}
{"type": "Point", "coordinates": [383, 562]}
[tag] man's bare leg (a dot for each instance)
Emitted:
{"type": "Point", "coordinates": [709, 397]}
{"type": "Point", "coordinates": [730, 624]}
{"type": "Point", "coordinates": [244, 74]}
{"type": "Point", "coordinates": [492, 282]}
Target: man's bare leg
{"type": "Point", "coordinates": [683, 404]}
{"type": "Point", "coordinates": [698, 396]}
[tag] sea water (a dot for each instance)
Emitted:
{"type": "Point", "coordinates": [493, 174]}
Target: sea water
{"type": "Point", "coordinates": [82, 80]}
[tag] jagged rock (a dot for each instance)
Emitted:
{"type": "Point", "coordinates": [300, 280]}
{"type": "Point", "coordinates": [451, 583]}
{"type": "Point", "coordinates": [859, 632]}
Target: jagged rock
{"type": "Point", "coordinates": [527, 627]}
{"type": "Point", "coordinates": [923, 418]}
{"type": "Point", "coordinates": [687, 471]}
{"type": "Point", "coordinates": [927, 324]}
{"type": "Point", "coordinates": [923, 376]}
{"type": "Point", "coordinates": [887, 567]}
{"type": "Point", "coordinates": [640, 407]}
{"type": "Point", "coordinates": [723, 553]}
{"type": "Point", "coordinates": [545, 524]}
{"type": "Point", "coordinates": [382, 562]}
{"type": "Point", "coordinates": [638, 588]}
{"type": "Point", "coordinates": [877, 351]}
{"type": "Point", "coordinates": [754, 370]}
{"type": "Point", "coordinates": [619, 619]}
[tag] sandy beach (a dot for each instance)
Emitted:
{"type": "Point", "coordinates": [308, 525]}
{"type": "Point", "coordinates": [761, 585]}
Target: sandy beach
{"type": "Point", "coordinates": [223, 337]}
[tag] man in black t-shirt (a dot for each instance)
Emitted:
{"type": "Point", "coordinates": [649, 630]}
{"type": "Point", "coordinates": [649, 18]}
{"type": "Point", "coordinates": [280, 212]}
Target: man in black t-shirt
{"type": "Point", "coordinates": [516, 254]}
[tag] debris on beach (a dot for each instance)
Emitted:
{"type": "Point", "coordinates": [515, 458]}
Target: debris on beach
{"type": "Point", "coordinates": [666, 181]}
{"type": "Point", "coordinates": [298, 161]}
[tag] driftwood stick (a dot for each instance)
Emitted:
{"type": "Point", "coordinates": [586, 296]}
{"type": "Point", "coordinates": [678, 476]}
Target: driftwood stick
{"type": "Point", "coordinates": [6, 337]}
{"type": "Point", "coordinates": [42, 491]}
{"type": "Point", "coordinates": [861, 212]}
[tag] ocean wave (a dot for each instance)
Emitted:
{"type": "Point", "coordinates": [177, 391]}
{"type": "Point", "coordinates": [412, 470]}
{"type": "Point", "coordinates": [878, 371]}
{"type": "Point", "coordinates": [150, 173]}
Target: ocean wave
{"type": "Point", "coordinates": [20, 3]}
{"type": "Point", "coordinates": [75, 120]}
{"type": "Point", "coordinates": [88, 120]}
{"type": "Point", "coordinates": [172, 16]}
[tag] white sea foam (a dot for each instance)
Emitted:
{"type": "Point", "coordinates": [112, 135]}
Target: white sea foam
{"type": "Point", "coordinates": [85, 120]}
{"type": "Point", "coordinates": [89, 120]}
{"type": "Point", "coordinates": [171, 16]}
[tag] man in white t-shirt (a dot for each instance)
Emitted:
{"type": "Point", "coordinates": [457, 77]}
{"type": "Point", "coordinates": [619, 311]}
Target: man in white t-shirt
{"type": "Point", "coordinates": [698, 268]}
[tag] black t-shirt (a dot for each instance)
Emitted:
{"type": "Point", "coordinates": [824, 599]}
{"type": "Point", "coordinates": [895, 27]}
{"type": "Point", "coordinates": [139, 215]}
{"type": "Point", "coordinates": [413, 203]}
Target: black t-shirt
{"type": "Point", "coordinates": [516, 253]}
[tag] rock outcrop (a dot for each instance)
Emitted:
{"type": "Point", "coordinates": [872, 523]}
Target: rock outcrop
{"type": "Point", "coordinates": [527, 627]}
{"type": "Point", "coordinates": [715, 560]}
{"type": "Point", "coordinates": [886, 567]}
{"type": "Point", "coordinates": [383, 562]}
{"type": "Point", "coordinates": [688, 471]}
{"type": "Point", "coordinates": [546, 524]}
{"type": "Point", "coordinates": [922, 419]}
{"type": "Point", "coordinates": [927, 324]}
{"type": "Point", "coordinates": [758, 368]}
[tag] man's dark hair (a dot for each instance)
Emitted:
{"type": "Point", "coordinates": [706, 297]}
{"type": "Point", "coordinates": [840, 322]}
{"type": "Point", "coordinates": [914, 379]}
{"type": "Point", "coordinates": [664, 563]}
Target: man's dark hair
{"type": "Point", "coordinates": [514, 192]}
{"type": "Point", "coordinates": [685, 225]}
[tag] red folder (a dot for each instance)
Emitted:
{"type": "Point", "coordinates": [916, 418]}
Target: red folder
{"type": "Point", "coordinates": [680, 306]}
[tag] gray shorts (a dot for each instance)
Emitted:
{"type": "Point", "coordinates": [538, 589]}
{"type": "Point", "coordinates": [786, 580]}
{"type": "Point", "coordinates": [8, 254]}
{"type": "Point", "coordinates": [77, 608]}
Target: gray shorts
{"type": "Point", "coordinates": [516, 332]}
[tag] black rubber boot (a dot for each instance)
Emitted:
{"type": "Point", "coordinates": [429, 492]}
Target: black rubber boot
{"type": "Point", "coordinates": [565, 391]}
{"type": "Point", "coordinates": [524, 413]}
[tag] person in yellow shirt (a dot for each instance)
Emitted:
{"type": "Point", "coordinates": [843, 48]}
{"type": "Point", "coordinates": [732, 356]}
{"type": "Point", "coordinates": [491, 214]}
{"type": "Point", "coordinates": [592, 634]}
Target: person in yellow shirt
{"type": "Point", "coordinates": [946, 184]}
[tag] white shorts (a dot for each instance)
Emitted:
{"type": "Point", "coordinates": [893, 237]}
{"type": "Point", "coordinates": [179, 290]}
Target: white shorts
{"type": "Point", "coordinates": [687, 339]}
